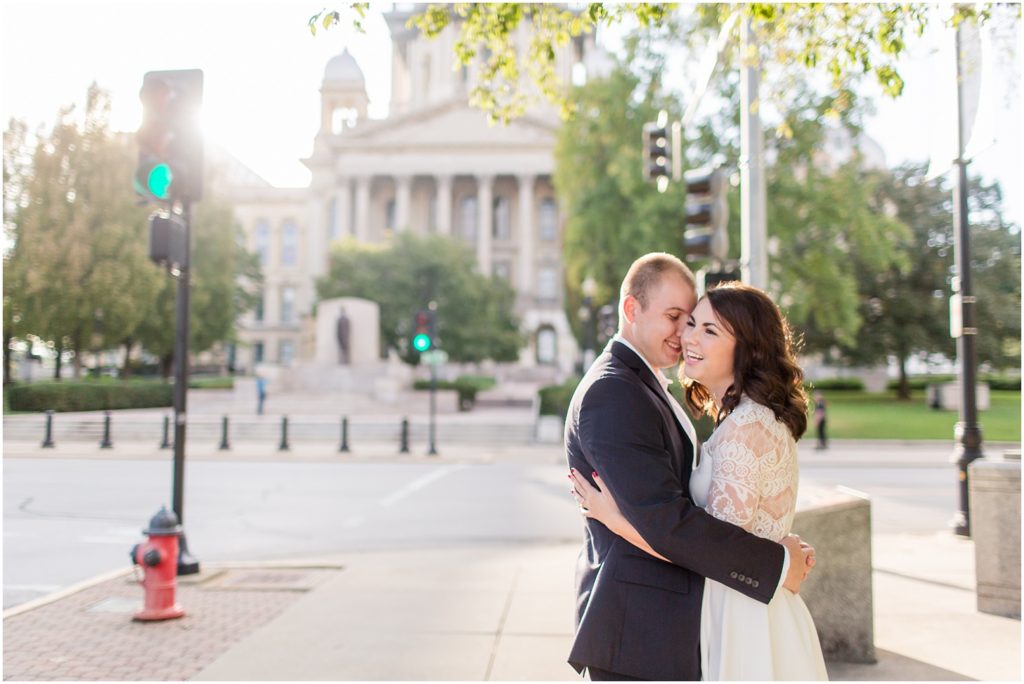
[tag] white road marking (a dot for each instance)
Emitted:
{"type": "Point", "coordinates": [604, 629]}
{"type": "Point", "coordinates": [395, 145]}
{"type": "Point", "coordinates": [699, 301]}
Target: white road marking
{"type": "Point", "coordinates": [419, 483]}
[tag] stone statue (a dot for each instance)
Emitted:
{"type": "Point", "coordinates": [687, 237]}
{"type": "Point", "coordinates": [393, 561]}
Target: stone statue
{"type": "Point", "coordinates": [342, 332]}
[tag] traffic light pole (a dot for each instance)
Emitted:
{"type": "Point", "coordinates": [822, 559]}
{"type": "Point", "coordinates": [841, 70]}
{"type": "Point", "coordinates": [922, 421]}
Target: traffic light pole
{"type": "Point", "coordinates": [187, 565]}
{"type": "Point", "coordinates": [432, 451]}
{"type": "Point", "coordinates": [753, 228]}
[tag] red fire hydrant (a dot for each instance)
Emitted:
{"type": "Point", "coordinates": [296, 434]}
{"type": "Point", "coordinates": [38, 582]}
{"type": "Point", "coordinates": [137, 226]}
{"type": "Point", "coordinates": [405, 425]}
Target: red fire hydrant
{"type": "Point", "coordinates": [159, 558]}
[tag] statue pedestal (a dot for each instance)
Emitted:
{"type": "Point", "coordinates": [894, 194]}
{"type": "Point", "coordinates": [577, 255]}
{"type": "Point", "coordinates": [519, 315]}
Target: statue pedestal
{"type": "Point", "coordinates": [363, 323]}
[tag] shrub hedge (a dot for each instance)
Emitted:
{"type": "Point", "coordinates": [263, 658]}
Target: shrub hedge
{"type": "Point", "coordinates": [89, 396]}
{"type": "Point", "coordinates": [554, 399]}
{"type": "Point", "coordinates": [920, 382]}
{"type": "Point", "coordinates": [466, 385]}
{"type": "Point", "coordinates": [836, 385]}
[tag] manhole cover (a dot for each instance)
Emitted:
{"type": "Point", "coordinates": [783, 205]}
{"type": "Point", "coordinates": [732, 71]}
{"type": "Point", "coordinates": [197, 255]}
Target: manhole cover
{"type": "Point", "coordinates": [115, 604]}
{"type": "Point", "coordinates": [268, 579]}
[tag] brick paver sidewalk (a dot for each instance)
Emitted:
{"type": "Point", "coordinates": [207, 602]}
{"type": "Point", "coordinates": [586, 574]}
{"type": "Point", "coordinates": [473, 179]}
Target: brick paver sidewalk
{"type": "Point", "coordinates": [90, 635]}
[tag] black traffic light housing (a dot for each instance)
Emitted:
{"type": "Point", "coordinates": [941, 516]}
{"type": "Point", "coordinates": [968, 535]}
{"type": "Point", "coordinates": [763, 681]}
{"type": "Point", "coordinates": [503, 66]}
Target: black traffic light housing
{"type": "Point", "coordinates": [707, 214]}
{"type": "Point", "coordinates": [424, 330]}
{"type": "Point", "coordinates": [167, 241]}
{"type": "Point", "coordinates": [170, 164]}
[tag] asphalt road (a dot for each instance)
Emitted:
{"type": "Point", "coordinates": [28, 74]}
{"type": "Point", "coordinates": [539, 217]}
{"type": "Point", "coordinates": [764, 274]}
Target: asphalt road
{"type": "Point", "coordinates": [66, 520]}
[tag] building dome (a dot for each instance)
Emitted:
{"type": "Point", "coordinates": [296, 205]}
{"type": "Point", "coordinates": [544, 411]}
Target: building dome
{"type": "Point", "coordinates": [342, 70]}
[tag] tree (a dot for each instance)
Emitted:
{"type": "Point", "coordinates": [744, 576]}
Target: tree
{"type": "Point", "coordinates": [820, 213]}
{"type": "Point", "coordinates": [77, 273]}
{"type": "Point", "coordinates": [475, 314]}
{"type": "Point", "coordinates": [77, 278]}
{"type": "Point", "coordinates": [849, 41]}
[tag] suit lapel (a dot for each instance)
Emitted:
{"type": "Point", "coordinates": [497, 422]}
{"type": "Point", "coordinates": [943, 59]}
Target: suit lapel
{"type": "Point", "coordinates": [633, 361]}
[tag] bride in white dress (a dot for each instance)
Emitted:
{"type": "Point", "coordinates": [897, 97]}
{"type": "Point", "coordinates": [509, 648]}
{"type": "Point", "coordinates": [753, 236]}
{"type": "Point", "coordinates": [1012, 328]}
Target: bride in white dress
{"type": "Point", "coordinates": [737, 346]}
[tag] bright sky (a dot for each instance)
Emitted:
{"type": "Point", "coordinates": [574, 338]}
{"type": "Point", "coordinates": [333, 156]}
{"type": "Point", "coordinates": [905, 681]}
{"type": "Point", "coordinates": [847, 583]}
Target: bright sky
{"type": "Point", "coordinates": [263, 71]}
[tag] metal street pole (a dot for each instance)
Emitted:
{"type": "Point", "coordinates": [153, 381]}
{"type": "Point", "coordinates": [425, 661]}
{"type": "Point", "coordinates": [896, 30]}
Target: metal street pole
{"type": "Point", "coordinates": [967, 433]}
{"type": "Point", "coordinates": [187, 565]}
{"type": "Point", "coordinates": [753, 229]}
{"type": "Point", "coordinates": [432, 451]}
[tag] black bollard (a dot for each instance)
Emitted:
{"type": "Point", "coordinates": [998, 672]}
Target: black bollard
{"type": "Point", "coordinates": [48, 439]}
{"type": "Point", "coordinates": [344, 436]}
{"type": "Point", "coordinates": [165, 443]}
{"type": "Point", "coordinates": [284, 434]}
{"type": "Point", "coordinates": [224, 445]}
{"type": "Point", "coordinates": [106, 443]}
{"type": "Point", "coordinates": [404, 447]}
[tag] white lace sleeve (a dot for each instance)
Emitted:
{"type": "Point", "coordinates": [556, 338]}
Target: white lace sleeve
{"type": "Point", "coordinates": [736, 475]}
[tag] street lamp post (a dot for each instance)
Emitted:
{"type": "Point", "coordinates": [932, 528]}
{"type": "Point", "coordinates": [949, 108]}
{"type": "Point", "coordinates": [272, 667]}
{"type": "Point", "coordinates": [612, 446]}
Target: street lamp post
{"type": "Point", "coordinates": [967, 432]}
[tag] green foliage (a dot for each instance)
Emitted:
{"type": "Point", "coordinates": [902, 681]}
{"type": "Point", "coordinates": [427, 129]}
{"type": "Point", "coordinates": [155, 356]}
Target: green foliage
{"type": "Point", "coordinates": [475, 314]}
{"type": "Point", "coordinates": [89, 396]}
{"type": "Point", "coordinates": [835, 385]}
{"type": "Point", "coordinates": [847, 41]}
{"type": "Point", "coordinates": [555, 399]}
{"type": "Point", "coordinates": [211, 383]}
{"type": "Point", "coordinates": [466, 386]}
{"type": "Point", "coordinates": [78, 274]}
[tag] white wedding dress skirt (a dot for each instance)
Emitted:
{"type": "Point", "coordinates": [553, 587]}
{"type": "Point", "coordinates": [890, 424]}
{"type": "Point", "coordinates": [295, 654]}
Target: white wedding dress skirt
{"type": "Point", "coordinates": [746, 640]}
{"type": "Point", "coordinates": [748, 475]}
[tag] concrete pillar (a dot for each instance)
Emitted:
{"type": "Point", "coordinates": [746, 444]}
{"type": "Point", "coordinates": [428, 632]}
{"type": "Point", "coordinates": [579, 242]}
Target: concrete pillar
{"type": "Point", "coordinates": [362, 227]}
{"type": "Point", "coordinates": [527, 230]}
{"type": "Point", "coordinates": [484, 224]}
{"type": "Point", "coordinates": [995, 528]}
{"type": "Point", "coordinates": [403, 198]}
{"type": "Point", "coordinates": [315, 258]}
{"type": "Point", "coordinates": [342, 208]}
{"type": "Point", "coordinates": [444, 205]}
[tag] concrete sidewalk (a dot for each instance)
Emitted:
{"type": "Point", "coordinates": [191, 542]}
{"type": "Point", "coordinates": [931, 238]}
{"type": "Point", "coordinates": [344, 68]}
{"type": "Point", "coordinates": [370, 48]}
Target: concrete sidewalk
{"type": "Point", "coordinates": [501, 612]}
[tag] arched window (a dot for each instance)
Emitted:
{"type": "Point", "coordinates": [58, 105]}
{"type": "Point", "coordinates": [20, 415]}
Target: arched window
{"type": "Point", "coordinates": [502, 220]}
{"type": "Point", "coordinates": [289, 244]}
{"type": "Point", "coordinates": [261, 241]}
{"type": "Point", "coordinates": [548, 219]}
{"type": "Point", "coordinates": [547, 346]}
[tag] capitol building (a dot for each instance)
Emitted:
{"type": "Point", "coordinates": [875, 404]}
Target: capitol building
{"type": "Point", "coordinates": [434, 166]}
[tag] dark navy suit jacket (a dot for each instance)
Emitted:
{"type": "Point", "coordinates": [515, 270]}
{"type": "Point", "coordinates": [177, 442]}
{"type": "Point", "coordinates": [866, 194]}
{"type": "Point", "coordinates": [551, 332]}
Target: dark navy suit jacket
{"type": "Point", "coordinates": [637, 615]}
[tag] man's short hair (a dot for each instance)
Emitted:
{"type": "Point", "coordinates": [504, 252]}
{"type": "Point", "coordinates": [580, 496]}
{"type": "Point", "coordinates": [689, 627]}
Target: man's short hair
{"type": "Point", "coordinates": [646, 272]}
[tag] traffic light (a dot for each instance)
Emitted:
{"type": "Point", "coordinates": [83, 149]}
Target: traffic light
{"type": "Point", "coordinates": [707, 280]}
{"type": "Point", "coordinates": [707, 214]}
{"type": "Point", "coordinates": [167, 241]}
{"type": "Point", "coordinates": [657, 153]}
{"type": "Point", "coordinates": [423, 333]}
{"type": "Point", "coordinates": [170, 141]}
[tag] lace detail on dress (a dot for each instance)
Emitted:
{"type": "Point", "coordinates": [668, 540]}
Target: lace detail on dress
{"type": "Point", "coordinates": [754, 471]}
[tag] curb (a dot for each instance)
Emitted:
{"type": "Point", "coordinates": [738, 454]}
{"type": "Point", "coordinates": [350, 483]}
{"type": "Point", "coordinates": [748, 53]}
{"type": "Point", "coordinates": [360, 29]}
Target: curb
{"type": "Point", "coordinates": [65, 592]}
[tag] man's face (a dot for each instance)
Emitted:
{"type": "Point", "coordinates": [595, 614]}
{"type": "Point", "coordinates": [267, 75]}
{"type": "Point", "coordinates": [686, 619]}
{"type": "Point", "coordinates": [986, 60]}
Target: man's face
{"type": "Point", "coordinates": [656, 331]}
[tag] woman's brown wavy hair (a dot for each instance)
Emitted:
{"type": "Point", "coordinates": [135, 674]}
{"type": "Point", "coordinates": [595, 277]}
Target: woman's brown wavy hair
{"type": "Point", "coordinates": [764, 361]}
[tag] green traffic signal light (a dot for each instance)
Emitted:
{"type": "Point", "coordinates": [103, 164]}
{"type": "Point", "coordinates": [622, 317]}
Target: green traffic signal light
{"type": "Point", "coordinates": [421, 342]}
{"type": "Point", "coordinates": [159, 181]}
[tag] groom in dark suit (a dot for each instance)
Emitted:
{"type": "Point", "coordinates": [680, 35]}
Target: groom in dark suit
{"type": "Point", "coordinates": [638, 617]}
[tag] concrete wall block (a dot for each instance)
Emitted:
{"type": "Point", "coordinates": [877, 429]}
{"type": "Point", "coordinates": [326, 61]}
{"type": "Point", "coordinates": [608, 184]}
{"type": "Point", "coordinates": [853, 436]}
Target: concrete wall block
{"type": "Point", "coordinates": [994, 494]}
{"type": "Point", "coordinates": [838, 591]}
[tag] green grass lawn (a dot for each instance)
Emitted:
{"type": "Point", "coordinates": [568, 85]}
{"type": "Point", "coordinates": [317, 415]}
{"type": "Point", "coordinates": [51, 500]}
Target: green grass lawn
{"type": "Point", "coordinates": [860, 415]}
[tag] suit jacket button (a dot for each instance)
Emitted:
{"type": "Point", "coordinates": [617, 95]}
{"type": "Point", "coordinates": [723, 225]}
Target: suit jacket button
{"type": "Point", "coordinates": [750, 581]}
{"type": "Point", "coordinates": [741, 578]}
{"type": "Point", "coordinates": [755, 584]}
{"type": "Point", "coordinates": [732, 575]}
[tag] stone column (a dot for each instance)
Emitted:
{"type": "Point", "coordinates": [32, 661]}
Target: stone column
{"type": "Point", "coordinates": [995, 527]}
{"type": "Point", "coordinates": [527, 229]}
{"type": "Point", "coordinates": [342, 208]}
{"type": "Point", "coordinates": [315, 259]}
{"type": "Point", "coordinates": [484, 224]}
{"type": "Point", "coordinates": [444, 205]}
{"type": "Point", "coordinates": [403, 198]}
{"type": "Point", "coordinates": [362, 227]}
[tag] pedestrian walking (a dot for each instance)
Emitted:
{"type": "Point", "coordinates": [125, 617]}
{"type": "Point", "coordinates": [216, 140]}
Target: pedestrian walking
{"type": "Point", "coordinates": [820, 408]}
{"type": "Point", "coordinates": [261, 393]}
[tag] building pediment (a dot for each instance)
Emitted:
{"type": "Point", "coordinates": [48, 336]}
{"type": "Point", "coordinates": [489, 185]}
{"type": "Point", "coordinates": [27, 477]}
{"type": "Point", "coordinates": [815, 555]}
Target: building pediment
{"type": "Point", "coordinates": [453, 124]}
